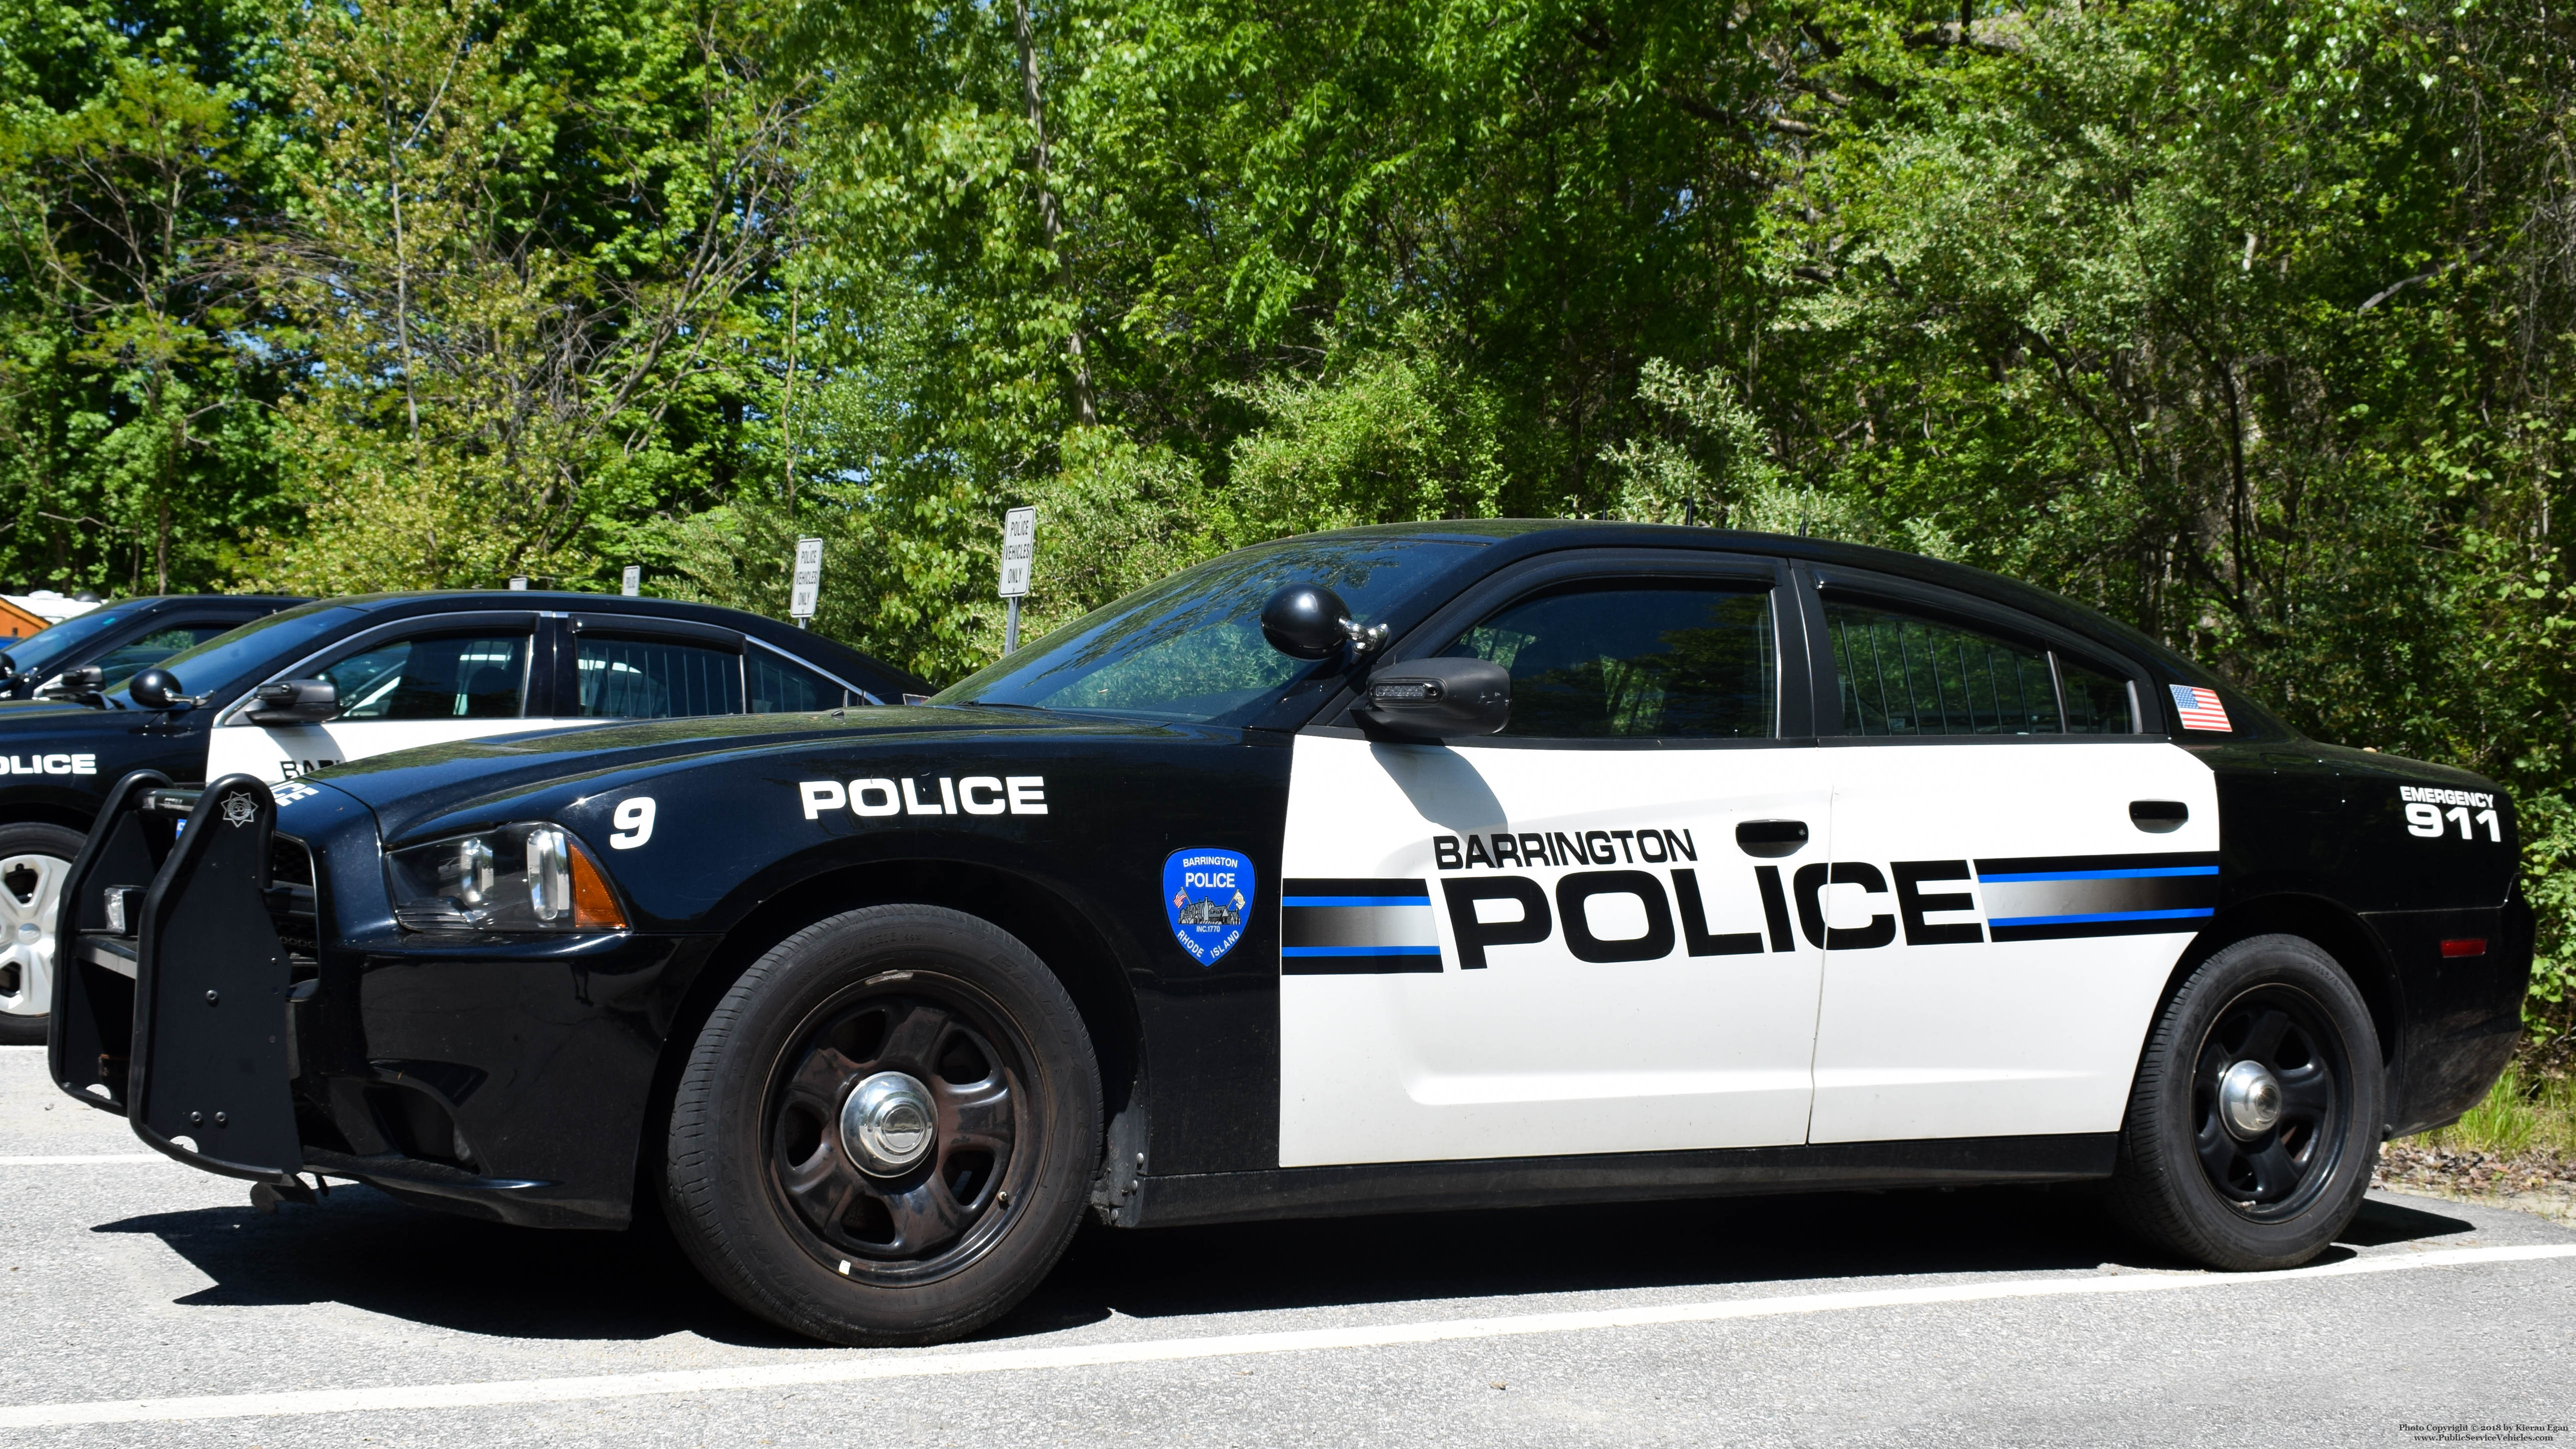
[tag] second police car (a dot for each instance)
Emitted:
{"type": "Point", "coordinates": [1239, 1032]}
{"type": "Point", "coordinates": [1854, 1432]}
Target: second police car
{"type": "Point", "coordinates": [284, 690]}
{"type": "Point", "coordinates": [1412, 867]}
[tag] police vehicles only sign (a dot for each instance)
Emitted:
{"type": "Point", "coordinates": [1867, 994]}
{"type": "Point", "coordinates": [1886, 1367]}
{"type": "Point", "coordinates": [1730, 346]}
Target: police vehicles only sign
{"type": "Point", "coordinates": [809, 578]}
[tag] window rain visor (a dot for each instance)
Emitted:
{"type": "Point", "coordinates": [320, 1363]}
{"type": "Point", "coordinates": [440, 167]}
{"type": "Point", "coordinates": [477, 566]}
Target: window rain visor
{"type": "Point", "coordinates": [1190, 648]}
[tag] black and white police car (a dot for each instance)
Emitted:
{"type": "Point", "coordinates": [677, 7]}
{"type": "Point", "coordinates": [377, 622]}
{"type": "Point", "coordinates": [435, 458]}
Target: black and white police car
{"type": "Point", "coordinates": [1408, 867]}
{"type": "Point", "coordinates": [286, 690]}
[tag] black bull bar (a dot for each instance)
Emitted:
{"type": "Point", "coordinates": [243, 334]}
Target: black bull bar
{"type": "Point", "coordinates": [179, 1020]}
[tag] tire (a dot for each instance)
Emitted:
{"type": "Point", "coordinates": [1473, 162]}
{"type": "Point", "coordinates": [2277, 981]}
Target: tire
{"type": "Point", "coordinates": [770, 1188]}
{"type": "Point", "coordinates": [2198, 1173]}
{"type": "Point", "coordinates": [34, 859]}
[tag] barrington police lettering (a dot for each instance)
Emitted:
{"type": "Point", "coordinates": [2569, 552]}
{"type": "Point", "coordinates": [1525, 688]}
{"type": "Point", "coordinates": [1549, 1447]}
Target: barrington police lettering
{"type": "Point", "coordinates": [927, 795]}
{"type": "Point", "coordinates": [1505, 849]}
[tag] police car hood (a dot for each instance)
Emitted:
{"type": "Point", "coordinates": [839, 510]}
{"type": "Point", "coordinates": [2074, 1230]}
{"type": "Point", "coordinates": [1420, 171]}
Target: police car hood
{"type": "Point", "coordinates": [408, 787]}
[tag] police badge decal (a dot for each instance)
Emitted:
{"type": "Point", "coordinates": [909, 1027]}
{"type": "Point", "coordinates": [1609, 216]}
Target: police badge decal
{"type": "Point", "coordinates": [1207, 896]}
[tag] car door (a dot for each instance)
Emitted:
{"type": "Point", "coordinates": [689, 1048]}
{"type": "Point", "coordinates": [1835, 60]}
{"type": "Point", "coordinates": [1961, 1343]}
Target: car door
{"type": "Point", "coordinates": [1571, 937]}
{"type": "Point", "coordinates": [418, 682]}
{"type": "Point", "coordinates": [1998, 922]}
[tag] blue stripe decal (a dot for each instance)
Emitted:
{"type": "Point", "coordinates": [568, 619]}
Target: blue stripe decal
{"type": "Point", "coordinates": [2146, 873]}
{"type": "Point", "coordinates": [2103, 916]}
{"type": "Point", "coordinates": [1422, 901]}
{"type": "Point", "coordinates": [1359, 950]}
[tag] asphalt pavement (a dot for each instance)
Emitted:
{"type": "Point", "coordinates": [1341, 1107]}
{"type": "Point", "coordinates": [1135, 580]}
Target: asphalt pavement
{"type": "Point", "coordinates": [143, 1303]}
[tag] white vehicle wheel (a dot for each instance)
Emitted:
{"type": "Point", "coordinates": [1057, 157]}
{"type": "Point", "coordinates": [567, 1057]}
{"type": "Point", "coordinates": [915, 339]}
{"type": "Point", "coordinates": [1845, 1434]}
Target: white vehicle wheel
{"type": "Point", "coordinates": [34, 859]}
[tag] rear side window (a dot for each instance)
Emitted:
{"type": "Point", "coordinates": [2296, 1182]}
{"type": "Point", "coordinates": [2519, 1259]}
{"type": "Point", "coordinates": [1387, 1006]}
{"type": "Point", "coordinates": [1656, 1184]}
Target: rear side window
{"type": "Point", "coordinates": [1668, 661]}
{"type": "Point", "coordinates": [455, 677]}
{"type": "Point", "coordinates": [1906, 674]}
{"type": "Point", "coordinates": [656, 679]}
{"type": "Point", "coordinates": [779, 687]}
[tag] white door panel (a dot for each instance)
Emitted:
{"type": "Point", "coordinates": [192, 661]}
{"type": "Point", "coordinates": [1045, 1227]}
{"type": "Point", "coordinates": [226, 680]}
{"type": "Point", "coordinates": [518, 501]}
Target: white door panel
{"type": "Point", "coordinates": [277, 753]}
{"type": "Point", "coordinates": [2033, 1026]}
{"type": "Point", "coordinates": [1395, 1046]}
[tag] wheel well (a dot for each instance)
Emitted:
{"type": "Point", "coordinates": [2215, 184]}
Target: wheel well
{"type": "Point", "coordinates": [2338, 931]}
{"type": "Point", "coordinates": [1041, 918]}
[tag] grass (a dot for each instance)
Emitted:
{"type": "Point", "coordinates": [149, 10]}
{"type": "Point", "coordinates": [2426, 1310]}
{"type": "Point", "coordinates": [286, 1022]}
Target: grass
{"type": "Point", "coordinates": [2523, 1111]}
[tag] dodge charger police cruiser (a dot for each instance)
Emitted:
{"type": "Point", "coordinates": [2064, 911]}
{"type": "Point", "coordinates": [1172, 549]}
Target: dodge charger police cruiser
{"type": "Point", "coordinates": [307, 687]}
{"type": "Point", "coordinates": [1411, 867]}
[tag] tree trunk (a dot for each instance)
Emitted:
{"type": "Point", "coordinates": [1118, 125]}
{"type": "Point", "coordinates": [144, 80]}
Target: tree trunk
{"type": "Point", "coordinates": [1049, 217]}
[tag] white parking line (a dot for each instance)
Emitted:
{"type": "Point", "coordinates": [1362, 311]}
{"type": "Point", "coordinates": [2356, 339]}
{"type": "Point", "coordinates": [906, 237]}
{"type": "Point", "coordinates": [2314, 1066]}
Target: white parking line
{"type": "Point", "coordinates": [94, 1159]}
{"type": "Point", "coordinates": [873, 1368]}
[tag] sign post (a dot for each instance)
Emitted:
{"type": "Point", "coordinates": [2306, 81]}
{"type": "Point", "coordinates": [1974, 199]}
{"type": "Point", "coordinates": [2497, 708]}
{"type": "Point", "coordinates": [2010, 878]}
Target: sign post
{"type": "Point", "coordinates": [633, 583]}
{"type": "Point", "coordinates": [1019, 552]}
{"type": "Point", "coordinates": [809, 580]}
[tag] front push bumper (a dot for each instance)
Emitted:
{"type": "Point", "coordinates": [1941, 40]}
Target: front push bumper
{"type": "Point", "coordinates": [222, 1019]}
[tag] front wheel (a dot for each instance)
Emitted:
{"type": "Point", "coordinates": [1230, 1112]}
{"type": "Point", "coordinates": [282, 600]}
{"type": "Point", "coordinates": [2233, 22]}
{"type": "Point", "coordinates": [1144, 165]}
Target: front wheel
{"type": "Point", "coordinates": [2256, 1113]}
{"type": "Point", "coordinates": [887, 1129]}
{"type": "Point", "coordinates": [34, 859]}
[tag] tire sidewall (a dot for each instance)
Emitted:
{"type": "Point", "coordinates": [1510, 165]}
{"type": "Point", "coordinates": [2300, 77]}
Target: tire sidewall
{"type": "Point", "coordinates": [36, 838]}
{"type": "Point", "coordinates": [723, 1207]}
{"type": "Point", "coordinates": [2157, 1149]}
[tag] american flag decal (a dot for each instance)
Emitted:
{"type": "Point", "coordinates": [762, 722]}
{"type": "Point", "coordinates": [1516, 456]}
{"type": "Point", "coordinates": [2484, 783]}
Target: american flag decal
{"type": "Point", "coordinates": [2200, 709]}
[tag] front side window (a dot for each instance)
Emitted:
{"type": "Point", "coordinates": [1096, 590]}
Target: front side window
{"type": "Point", "coordinates": [1669, 661]}
{"type": "Point", "coordinates": [450, 677]}
{"type": "Point", "coordinates": [656, 679]}
{"type": "Point", "coordinates": [1906, 674]}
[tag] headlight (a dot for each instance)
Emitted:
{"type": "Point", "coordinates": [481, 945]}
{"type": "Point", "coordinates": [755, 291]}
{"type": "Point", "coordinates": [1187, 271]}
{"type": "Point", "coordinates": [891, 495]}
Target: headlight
{"type": "Point", "coordinates": [528, 877]}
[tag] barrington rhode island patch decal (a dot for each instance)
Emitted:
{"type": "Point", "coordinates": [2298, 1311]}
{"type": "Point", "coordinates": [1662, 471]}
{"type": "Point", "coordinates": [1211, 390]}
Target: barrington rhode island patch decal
{"type": "Point", "coordinates": [1207, 894]}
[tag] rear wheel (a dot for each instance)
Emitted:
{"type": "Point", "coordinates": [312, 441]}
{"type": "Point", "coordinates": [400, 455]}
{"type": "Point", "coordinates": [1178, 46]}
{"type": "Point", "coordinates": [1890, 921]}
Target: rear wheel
{"type": "Point", "coordinates": [887, 1130]}
{"type": "Point", "coordinates": [34, 859]}
{"type": "Point", "coordinates": [2256, 1113]}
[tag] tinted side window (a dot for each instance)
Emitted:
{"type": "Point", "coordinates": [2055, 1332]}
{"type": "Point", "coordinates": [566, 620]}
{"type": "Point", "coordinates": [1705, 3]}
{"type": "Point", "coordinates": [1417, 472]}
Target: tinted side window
{"type": "Point", "coordinates": [1904, 675]}
{"type": "Point", "coordinates": [778, 687]}
{"type": "Point", "coordinates": [656, 679]}
{"type": "Point", "coordinates": [2096, 703]}
{"type": "Point", "coordinates": [457, 677]}
{"type": "Point", "coordinates": [1671, 661]}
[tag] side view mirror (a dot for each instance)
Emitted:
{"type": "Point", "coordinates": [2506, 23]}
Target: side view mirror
{"type": "Point", "coordinates": [8, 668]}
{"type": "Point", "coordinates": [81, 685]}
{"type": "Point", "coordinates": [294, 701]}
{"type": "Point", "coordinates": [1309, 621]}
{"type": "Point", "coordinates": [1437, 699]}
{"type": "Point", "coordinates": [158, 688]}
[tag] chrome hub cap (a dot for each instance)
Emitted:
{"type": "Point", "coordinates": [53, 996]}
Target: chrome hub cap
{"type": "Point", "coordinates": [31, 894]}
{"type": "Point", "coordinates": [886, 1123]}
{"type": "Point", "coordinates": [2249, 1098]}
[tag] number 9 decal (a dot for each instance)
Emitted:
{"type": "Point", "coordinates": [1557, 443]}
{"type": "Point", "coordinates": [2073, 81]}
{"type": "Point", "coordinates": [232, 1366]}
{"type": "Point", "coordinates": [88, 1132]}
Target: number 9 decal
{"type": "Point", "coordinates": [2421, 819]}
{"type": "Point", "coordinates": [634, 819]}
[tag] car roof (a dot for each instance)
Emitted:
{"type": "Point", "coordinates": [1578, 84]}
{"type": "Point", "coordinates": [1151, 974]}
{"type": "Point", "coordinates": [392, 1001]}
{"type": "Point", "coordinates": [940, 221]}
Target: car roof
{"type": "Point", "coordinates": [1515, 538]}
{"type": "Point", "coordinates": [821, 649]}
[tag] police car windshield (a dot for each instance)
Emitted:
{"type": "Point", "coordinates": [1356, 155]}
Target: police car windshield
{"type": "Point", "coordinates": [1190, 647]}
{"type": "Point", "coordinates": [40, 652]}
{"type": "Point", "coordinates": [221, 663]}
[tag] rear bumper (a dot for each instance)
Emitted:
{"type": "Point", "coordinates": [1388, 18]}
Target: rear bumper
{"type": "Point", "coordinates": [2462, 1012]}
{"type": "Point", "coordinates": [243, 1028]}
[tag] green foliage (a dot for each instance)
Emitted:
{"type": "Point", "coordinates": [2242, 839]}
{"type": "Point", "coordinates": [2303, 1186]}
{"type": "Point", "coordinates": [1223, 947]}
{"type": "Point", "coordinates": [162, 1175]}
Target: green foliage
{"type": "Point", "coordinates": [2247, 321]}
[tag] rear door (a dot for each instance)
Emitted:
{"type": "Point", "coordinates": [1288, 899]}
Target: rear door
{"type": "Point", "coordinates": [1571, 937]}
{"type": "Point", "coordinates": [1998, 922]}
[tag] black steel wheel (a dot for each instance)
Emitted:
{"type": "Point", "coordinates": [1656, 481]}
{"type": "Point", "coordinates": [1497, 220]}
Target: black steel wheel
{"type": "Point", "coordinates": [2270, 1092]}
{"type": "Point", "coordinates": [2255, 1116]}
{"type": "Point", "coordinates": [892, 1124]}
{"type": "Point", "coordinates": [886, 1131]}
